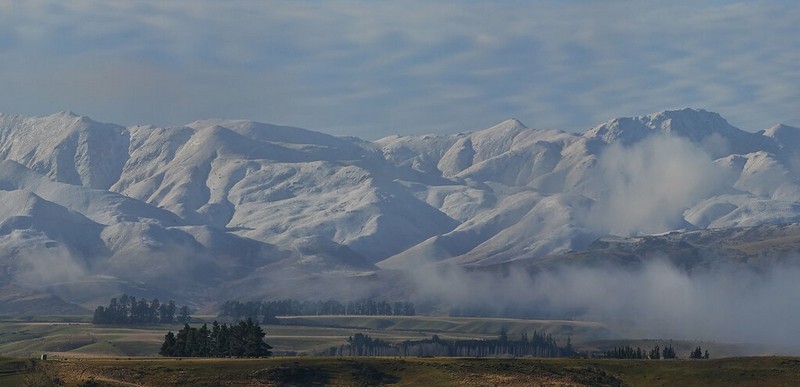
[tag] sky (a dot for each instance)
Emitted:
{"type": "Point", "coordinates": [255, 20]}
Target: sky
{"type": "Point", "coordinates": [375, 68]}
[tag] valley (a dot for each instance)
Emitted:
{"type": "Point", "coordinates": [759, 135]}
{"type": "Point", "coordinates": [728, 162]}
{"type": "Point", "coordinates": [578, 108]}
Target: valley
{"type": "Point", "coordinates": [80, 353]}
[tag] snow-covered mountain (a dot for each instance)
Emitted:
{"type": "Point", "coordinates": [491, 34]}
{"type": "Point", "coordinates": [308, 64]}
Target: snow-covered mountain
{"type": "Point", "coordinates": [219, 206]}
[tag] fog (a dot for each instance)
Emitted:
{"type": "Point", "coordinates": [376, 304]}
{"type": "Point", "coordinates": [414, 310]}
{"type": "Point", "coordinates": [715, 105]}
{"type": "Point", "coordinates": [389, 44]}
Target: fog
{"type": "Point", "coordinates": [647, 186]}
{"type": "Point", "coordinates": [41, 267]}
{"type": "Point", "coordinates": [655, 300]}
{"type": "Point", "coordinates": [644, 189]}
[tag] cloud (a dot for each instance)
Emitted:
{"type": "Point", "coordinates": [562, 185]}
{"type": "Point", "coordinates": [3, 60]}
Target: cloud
{"type": "Point", "coordinates": [662, 301]}
{"type": "Point", "coordinates": [651, 300]}
{"type": "Point", "coordinates": [44, 267]}
{"type": "Point", "coordinates": [649, 184]}
{"type": "Point", "coordinates": [371, 68]}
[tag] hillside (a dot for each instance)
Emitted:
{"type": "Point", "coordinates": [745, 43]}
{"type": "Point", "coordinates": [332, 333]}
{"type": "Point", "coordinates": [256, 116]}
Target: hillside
{"type": "Point", "coordinates": [222, 209]}
{"type": "Point", "coordinates": [762, 371]}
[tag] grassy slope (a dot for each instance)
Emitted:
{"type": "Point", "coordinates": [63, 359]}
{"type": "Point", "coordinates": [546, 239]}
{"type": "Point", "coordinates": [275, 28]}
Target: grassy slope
{"type": "Point", "coordinates": [760, 371]}
{"type": "Point", "coordinates": [13, 371]}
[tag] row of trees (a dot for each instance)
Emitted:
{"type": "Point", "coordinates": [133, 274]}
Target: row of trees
{"type": "Point", "coordinates": [266, 311]}
{"type": "Point", "coordinates": [538, 345]}
{"type": "Point", "coordinates": [628, 352]}
{"type": "Point", "coordinates": [698, 354]}
{"type": "Point", "coordinates": [128, 310]}
{"type": "Point", "coordinates": [245, 339]}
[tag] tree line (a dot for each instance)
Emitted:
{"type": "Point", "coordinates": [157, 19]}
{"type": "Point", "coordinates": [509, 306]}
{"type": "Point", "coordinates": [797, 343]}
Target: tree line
{"type": "Point", "coordinates": [129, 310]}
{"type": "Point", "coordinates": [537, 345]}
{"type": "Point", "coordinates": [266, 311]}
{"type": "Point", "coordinates": [245, 339]}
{"type": "Point", "coordinates": [656, 353]}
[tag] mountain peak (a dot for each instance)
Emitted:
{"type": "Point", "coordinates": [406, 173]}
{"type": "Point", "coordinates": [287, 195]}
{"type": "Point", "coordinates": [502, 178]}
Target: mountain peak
{"type": "Point", "coordinates": [689, 122]}
{"type": "Point", "coordinates": [787, 137]}
{"type": "Point", "coordinates": [697, 125]}
{"type": "Point", "coordinates": [511, 123]}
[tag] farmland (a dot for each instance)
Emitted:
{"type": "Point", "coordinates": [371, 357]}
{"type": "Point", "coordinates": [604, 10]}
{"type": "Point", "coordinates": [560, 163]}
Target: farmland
{"type": "Point", "coordinates": [126, 356]}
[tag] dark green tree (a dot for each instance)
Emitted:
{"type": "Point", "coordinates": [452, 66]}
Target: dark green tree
{"type": "Point", "coordinates": [168, 347]}
{"type": "Point", "coordinates": [254, 345]}
{"type": "Point", "coordinates": [655, 353]}
{"type": "Point", "coordinates": [182, 342]}
{"type": "Point", "coordinates": [184, 315]}
{"type": "Point", "coordinates": [222, 347]}
{"type": "Point", "coordinates": [669, 352]}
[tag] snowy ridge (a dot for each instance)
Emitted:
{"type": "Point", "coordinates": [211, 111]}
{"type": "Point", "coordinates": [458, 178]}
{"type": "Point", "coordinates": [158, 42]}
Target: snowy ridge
{"type": "Point", "coordinates": [236, 202]}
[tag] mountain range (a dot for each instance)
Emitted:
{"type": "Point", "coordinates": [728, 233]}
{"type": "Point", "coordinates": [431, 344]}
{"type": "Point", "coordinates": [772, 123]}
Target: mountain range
{"type": "Point", "coordinates": [224, 209]}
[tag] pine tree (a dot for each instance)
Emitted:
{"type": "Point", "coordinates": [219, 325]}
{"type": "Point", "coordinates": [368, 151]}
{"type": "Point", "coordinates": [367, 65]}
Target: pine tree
{"type": "Point", "coordinates": [655, 353]}
{"type": "Point", "coordinates": [184, 315]}
{"type": "Point", "coordinates": [223, 346]}
{"type": "Point", "coordinates": [168, 347]}
{"type": "Point", "coordinates": [669, 352]}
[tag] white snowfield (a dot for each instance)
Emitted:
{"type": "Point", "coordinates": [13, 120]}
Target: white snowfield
{"type": "Point", "coordinates": [227, 202]}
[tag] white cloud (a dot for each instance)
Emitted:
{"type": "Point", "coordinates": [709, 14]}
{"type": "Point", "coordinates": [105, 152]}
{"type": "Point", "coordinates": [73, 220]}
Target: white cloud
{"type": "Point", "coordinates": [651, 183]}
{"type": "Point", "coordinates": [368, 68]}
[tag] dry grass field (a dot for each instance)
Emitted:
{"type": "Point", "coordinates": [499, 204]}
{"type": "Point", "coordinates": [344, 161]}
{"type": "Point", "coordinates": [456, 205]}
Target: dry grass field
{"type": "Point", "coordinates": [82, 354]}
{"type": "Point", "coordinates": [310, 371]}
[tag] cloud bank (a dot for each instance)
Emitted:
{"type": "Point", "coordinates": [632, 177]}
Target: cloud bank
{"type": "Point", "coordinates": [654, 300]}
{"type": "Point", "coordinates": [374, 68]}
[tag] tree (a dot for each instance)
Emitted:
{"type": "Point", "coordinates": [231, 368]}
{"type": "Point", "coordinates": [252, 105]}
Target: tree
{"type": "Point", "coordinates": [655, 353]}
{"type": "Point", "coordinates": [100, 316]}
{"type": "Point", "coordinates": [503, 336]}
{"type": "Point", "coordinates": [166, 312]}
{"type": "Point", "coordinates": [128, 310]}
{"type": "Point", "coordinates": [152, 311]}
{"type": "Point", "coordinates": [184, 315]}
{"type": "Point", "coordinates": [202, 346]}
{"type": "Point", "coordinates": [669, 352]}
{"type": "Point", "coordinates": [568, 350]}
{"type": "Point", "coordinates": [254, 345]}
{"type": "Point", "coordinates": [182, 341]}
{"type": "Point", "coordinates": [168, 347]}
{"type": "Point", "coordinates": [696, 354]}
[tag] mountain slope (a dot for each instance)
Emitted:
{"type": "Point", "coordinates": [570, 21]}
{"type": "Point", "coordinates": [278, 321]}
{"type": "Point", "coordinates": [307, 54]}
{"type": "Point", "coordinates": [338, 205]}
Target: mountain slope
{"type": "Point", "coordinates": [232, 203]}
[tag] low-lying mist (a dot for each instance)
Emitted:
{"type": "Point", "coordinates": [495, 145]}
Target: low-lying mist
{"type": "Point", "coordinates": [654, 300]}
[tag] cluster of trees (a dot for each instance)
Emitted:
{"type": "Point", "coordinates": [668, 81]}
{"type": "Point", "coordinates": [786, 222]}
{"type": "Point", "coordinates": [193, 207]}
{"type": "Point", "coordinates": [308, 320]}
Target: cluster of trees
{"type": "Point", "coordinates": [628, 352]}
{"type": "Point", "coordinates": [538, 345]}
{"type": "Point", "coordinates": [129, 310]}
{"type": "Point", "coordinates": [655, 353]}
{"type": "Point", "coordinates": [245, 339]}
{"type": "Point", "coordinates": [266, 311]}
{"type": "Point", "coordinates": [698, 354]}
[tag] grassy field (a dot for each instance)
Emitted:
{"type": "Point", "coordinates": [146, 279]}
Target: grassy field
{"type": "Point", "coordinates": [305, 371]}
{"type": "Point", "coordinates": [301, 335]}
{"type": "Point", "coordinates": [310, 335]}
{"type": "Point", "coordinates": [82, 354]}
{"type": "Point", "coordinates": [578, 330]}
